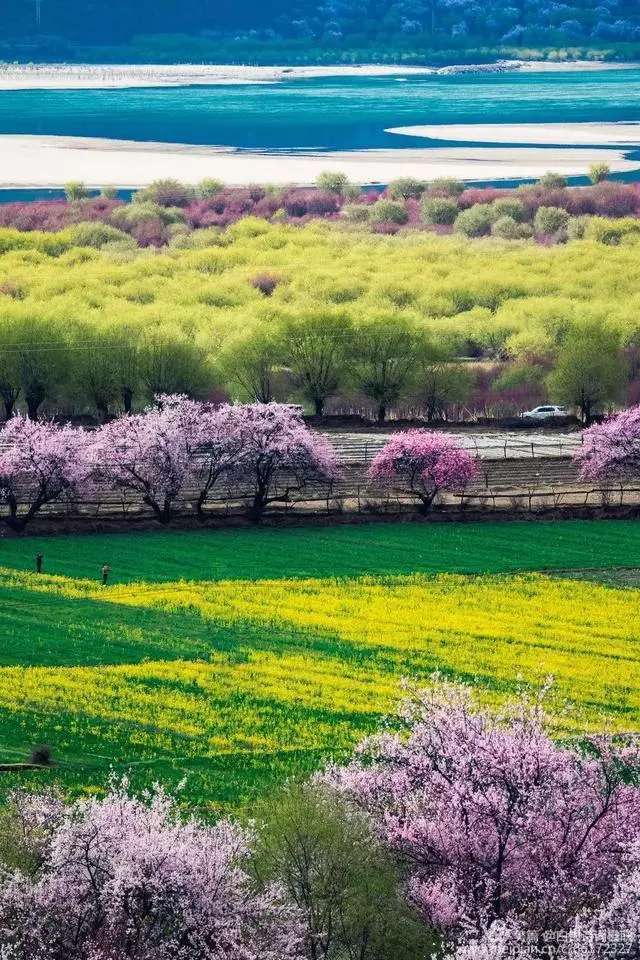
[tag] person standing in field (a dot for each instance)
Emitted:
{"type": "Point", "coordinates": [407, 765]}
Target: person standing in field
{"type": "Point", "coordinates": [39, 560]}
{"type": "Point", "coordinates": [106, 570]}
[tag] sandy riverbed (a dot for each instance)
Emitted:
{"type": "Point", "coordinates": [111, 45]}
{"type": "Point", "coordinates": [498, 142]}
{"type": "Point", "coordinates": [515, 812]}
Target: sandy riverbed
{"type": "Point", "coordinates": [542, 134]}
{"type": "Point", "coordinates": [34, 161]}
{"type": "Point", "coordinates": [83, 77]}
{"type": "Point", "coordinates": [112, 76]}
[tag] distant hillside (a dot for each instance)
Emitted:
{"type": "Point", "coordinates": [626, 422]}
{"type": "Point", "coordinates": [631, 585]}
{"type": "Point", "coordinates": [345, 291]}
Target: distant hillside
{"type": "Point", "coordinates": [207, 29]}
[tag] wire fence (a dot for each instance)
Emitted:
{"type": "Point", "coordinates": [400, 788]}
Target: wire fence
{"type": "Point", "coordinates": [346, 497]}
{"type": "Point", "coordinates": [355, 448]}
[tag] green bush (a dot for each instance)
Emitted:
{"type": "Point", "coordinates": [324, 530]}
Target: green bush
{"type": "Point", "coordinates": [509, 229]}
{"type": "Point", "coordinates": [356, 212]}
{"type": "Point", "coordinates": [439, 210]}
{"type": "Point", "coordinates": [553, 181]}
{"type": "Point", "coordinates": [165, 193]}
{"type": "Point", "coordinates": [332, 182]}
{"type": "Point", "coordinates": [172, 215]}
{"type": "Point", "coordinates": [132, 214]}
{"type": "Point", "coordinates": [611, 232]}
{"type": "Point", "coordinates": [550, 220]}
{"type": "Point", "coordinates": [97, 235]}
{"type": "Point", "coordinates": [388, 211]}
{"type": "Point", "coordinates": [76, 190]}
{"type": "Point", "coordinates": [509, 207]}
{"type": "Point", "coordinates": [577, 227]}
{"type": "Point", "coordinates": [123, 251]}
{"type": "Point", "coordinates": [52, 244]}
{"type": "Point", "coordinates": [208, 188]}
{"type": "Point", "coordinates": [599, 172]}
{"type": "Point", "coordinates": [446, 187]}
{"type": "Point", "coordinates": [476, 221]}
{"type": "Point", "coordinates": [351, 192]}
{"type": "Point", "coordinates": [406, 188]}
{"type": "Point", "coordinates": [346, 885]}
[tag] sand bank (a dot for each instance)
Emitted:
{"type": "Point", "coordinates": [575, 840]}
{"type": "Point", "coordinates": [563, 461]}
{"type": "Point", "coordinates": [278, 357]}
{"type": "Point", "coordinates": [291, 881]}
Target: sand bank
{"type": "Point", "coordinates": [33, 161]}
{"type": "Point", "coordinates": [87, 76]}
{"type": "Point", "coordinates": [113, 76]}
{"type": "Point", "coordinates": [561, 134]}
{"type": "Point", "coordinates": [552, 66]}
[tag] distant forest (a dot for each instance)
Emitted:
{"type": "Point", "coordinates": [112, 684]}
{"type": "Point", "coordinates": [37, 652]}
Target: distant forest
{"type": "Point", "coordinates": [213, 29]}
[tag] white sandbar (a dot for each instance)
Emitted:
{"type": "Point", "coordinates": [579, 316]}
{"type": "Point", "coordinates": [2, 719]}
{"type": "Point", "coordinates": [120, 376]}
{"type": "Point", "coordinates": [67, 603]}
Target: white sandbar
{"type": "Point", "coordinates": [564, 134]}
{"type": "Point", "coordinates": [112, 76]}
{"type": "Point", "coordinates": [36, 161]}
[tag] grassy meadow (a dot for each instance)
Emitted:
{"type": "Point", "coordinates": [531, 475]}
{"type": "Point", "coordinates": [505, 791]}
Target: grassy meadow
{"type": "Point", "coordinates": [233, 659]}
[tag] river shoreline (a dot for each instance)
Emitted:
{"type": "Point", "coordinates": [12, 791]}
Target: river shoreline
{"type": "Point", "coordinates": [123, 76]}
{"type": "Point", "coordinates": [32, 162]}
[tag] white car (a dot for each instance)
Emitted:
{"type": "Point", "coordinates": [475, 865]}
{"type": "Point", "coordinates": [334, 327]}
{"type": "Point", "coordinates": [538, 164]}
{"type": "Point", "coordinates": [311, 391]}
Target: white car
{"type": "Point", "coordinates": [546, 412]}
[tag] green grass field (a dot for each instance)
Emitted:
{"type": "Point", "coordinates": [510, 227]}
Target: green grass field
{"type": "Point", "coordinates": [236, 658]}
{"type": "Point", "coordinates": [340, 551]}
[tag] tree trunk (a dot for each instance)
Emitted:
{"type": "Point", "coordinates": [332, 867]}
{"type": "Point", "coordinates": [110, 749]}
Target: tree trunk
{"type": "Point", "coordinates": [318, 403]}
{"type": "Point", "coordinates": [13, 521]}
{"type": "Point", "coordinates": [9, 404]}
{"type": "Point", "coordinates": [33, 402]}
{"type": "Point", "coordinates": [162, 513]}
{"type": "Point", "coordinates": [165, 513]}
{"type": "Point", "coordinates": [382, 413]}
{"type": "Point", "coordinates": [127, 399]}
{"type": "Point", "coordinates": [259, 504]}
{"type": "Point", "coordinates": [426, 502]}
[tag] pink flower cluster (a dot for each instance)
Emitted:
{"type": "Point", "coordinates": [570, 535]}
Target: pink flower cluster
{"type": "Point", "coordinates": [125, 877]}
{"type": "Point", "coordinates": [161, 454]}
{"type": "Point", "coordinates": [492, 819]}
{"type": "Point", "coordinates": [424, 462]}
{"type": "Point", "coordinates": [39, 463]}
{"type": "Point", "coordinates": [611, 450]}
{"type": "Point", "coordinates": [55, 214]}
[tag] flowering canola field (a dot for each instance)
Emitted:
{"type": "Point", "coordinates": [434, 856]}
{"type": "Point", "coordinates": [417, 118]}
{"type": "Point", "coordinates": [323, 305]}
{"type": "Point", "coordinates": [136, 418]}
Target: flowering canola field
{"type": "Point", "coordinates": [236, 683]}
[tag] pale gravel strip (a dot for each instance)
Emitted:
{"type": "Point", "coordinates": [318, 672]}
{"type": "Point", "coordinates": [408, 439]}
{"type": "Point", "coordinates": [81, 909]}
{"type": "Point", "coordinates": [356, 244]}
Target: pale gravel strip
{"type": "Point", "coordinates": [34, 161]}
{"type": "Point", "coordinates": [114, 76]}
{"type": "Point", "coordinates": [561, 134]}
{"type": "Point", "coordinates": [85, 76]}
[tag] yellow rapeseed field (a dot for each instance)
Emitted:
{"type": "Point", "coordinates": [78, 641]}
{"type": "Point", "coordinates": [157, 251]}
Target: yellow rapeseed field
{"type": "Point", "coordinates": [288, 671]}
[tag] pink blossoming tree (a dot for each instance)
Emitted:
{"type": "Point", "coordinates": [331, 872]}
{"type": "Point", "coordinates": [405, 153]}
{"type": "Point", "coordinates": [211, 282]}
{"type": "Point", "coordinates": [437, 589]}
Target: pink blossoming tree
{"type": "Point", "coordinates": [125, 878]}
{"type": "Point", "coordinates": [611, 450]}
{"type": "Point", "coordinates": [279, 453]}
{"type": "Point", "coordinates": [492, 819]}
{"type": "Point", "coordinates": [40, 463]}
{"type": "Point", "coordinates": [150, 454]}
{"type": "Point", "coordinates": [220, 444]}
{"type": "Point", "coordinates": [424, 462]}
{"type": "Point", "coordinates": [616, 922]}
{"type": "Point", "coordinates": [159, 453]}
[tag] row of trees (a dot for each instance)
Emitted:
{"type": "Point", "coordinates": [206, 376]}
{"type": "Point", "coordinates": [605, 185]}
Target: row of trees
{"type": "Point", "coordinates": [381, 362]}
{"type": "Point", "coordinates": [177, 448]}
{"type": "Point", "coordinates": [192, 32]}
{"type": "Point", "coordinates": [465, 834]}
{"type": "Point", "coordinates": [182, 448]}
{"type": "Point", "coordinates": [312, 357]}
